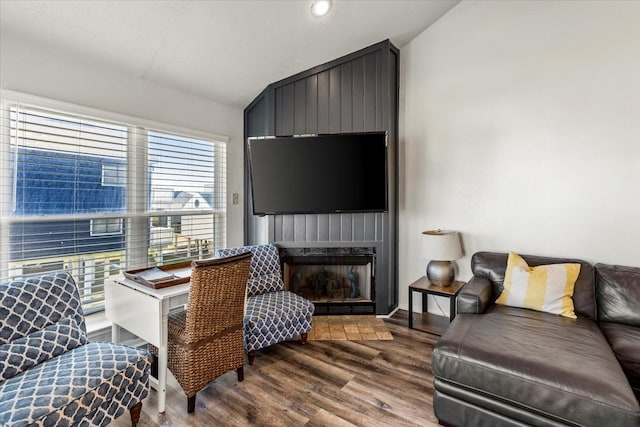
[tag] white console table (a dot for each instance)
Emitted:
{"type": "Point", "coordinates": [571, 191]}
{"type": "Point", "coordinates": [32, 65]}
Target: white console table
{"type": "Point", "coordinates": [143, 311]}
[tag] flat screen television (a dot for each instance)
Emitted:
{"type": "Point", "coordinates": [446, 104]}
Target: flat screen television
{"type": "Point", "coordinates": [319, 174]}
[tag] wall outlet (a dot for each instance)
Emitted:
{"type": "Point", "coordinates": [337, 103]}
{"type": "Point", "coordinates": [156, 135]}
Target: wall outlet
{"type": "Point", "coordinates": [235, 198]}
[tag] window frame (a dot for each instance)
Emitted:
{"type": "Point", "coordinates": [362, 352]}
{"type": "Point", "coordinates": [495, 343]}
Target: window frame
{"type": "Point", "coordinates": [92, 231]}
{"type": "Point", "coordinates": [138, 214]}
{"type": "Point", "coordinates": [118, 169]}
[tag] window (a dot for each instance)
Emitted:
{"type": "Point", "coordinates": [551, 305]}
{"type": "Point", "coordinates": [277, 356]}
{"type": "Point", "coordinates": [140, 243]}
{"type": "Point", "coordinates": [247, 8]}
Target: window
{"type": "Point", "coordinates": [189, 193]}
{"type": "Point", "coordinates": [103, 227]}
{"type": "Point", "coordinates": [114, 175]}
{"type": "Point", "coordinates": [97, 196]}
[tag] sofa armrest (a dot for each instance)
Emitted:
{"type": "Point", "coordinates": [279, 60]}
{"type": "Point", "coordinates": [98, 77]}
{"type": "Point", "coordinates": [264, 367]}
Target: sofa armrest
{"type": "Point", "coordinates": [475, 296]}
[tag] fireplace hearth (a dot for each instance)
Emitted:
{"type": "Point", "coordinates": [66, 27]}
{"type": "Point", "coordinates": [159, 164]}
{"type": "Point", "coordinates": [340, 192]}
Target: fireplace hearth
{"type": "Point", "coordinates": [336, 280]}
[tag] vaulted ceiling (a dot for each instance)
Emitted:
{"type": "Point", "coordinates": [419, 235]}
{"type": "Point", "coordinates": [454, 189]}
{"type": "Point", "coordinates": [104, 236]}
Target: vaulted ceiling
{"type": "Point", "coordinates": [223, 51]}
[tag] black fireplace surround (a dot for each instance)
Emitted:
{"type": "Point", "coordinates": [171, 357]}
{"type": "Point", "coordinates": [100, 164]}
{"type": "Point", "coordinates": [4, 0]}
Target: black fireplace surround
{"type": "Point", "coordinates": [336, 280]}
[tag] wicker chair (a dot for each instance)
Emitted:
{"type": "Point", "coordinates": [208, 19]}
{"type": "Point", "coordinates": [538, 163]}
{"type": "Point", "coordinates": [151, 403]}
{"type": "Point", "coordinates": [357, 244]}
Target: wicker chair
{"type": "Point", "coordinates": [206, 339]}
{"type": "Point", "coordinates": [273, 314]}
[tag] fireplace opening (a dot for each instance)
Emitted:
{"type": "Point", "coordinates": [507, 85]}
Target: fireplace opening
{"type": "Point", "coordinates": [336, 280]}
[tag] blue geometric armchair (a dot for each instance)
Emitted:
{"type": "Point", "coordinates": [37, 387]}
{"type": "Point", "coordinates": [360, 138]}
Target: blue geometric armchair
{"type": "Point", "coordinates": [50, 374]}
{"type": "Point", "coordinates": [273, 314]}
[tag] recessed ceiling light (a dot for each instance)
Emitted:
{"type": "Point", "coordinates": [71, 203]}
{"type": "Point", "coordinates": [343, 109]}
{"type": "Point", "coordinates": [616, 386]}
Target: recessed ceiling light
{"type": "Point", "coordinates": [320, 8]}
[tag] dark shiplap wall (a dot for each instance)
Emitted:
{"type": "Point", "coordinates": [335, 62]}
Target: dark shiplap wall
{"type": "Point", "coordinates": [342, 98]}
{"type": "Point", "coordinates": [356, 93]}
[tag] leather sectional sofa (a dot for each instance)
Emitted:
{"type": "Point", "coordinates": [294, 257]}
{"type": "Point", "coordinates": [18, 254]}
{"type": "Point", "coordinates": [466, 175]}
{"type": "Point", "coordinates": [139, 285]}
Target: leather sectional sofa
{"type": "Point", "coordinates": [504, 366]}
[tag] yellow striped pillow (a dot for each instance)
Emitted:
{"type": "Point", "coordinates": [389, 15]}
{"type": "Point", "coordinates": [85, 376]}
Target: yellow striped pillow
{"type": "Point", "coordinates": [546, 288]}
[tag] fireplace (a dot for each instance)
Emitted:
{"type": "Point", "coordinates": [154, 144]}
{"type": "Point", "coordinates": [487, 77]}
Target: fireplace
{"type": "Point", "coordinates": [336, 280]}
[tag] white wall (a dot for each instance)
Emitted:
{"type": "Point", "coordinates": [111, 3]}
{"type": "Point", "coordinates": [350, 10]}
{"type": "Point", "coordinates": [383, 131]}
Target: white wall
{"type": "Point", "coordinates": [520, 128]}
{"type": "Point", "coordinates": [25, 67]}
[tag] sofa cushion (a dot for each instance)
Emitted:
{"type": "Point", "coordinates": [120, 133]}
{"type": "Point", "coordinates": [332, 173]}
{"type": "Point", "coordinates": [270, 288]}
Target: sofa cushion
{"type": "Point", "coordinates": [618, 294]}
{"type": "Point", "coordinates": [40, 346]}
{"type": "Point", "coordinates": [28, 305]}
{"type": "Point", "coordinates": [625, 343]}
{"type": "Point", "coordinates": [96, 381]}
{"type": "Point", "coordinates": [493, 266]}
{"type": "Point", "coordinates": [558, 368]}
{"type": "Point", "coordinates": [547, 288]}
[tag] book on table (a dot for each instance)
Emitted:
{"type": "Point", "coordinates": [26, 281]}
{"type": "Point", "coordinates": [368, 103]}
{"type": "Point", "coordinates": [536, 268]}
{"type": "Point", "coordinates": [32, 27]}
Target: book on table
{"type": "Point", "coordinates": [161, 276]}
{"type": "Point", "coordinates": [155, 275]}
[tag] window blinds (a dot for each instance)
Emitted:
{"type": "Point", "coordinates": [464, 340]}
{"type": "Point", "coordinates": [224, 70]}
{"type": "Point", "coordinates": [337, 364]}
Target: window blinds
{"type": "Point", "coordinates": [96, 197]}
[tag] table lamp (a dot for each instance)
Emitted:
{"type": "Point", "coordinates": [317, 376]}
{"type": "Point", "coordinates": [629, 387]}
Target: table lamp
{"type": "Point", "coordinates": [440, 247]}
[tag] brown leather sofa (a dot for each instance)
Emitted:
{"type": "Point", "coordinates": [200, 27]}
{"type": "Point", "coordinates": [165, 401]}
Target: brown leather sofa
{"type": "Point", "coordinates": [505, 366]}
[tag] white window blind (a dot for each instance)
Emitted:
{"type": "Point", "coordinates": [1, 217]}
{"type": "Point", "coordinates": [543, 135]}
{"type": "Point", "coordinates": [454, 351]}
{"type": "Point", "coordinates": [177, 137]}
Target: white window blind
{"type": "Point", "coordinates": [96, 197]}
{"type": "Point", "coordinates": [187, 181]}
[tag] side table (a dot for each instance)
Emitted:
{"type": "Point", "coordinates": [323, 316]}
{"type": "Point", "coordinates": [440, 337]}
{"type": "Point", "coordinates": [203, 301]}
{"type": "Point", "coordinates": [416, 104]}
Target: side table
{"type": "Point", "coordinates": [429, 322]}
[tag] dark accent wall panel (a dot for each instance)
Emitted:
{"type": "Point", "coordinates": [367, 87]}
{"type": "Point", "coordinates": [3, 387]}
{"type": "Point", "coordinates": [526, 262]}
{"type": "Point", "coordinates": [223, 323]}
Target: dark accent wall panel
{"type": "Point", "coordinates": [346, 93]}
{"type": "Point", "coordinates": [334, 100]}
{"type": "Point", "coordinates": [323, 102]}
{"type": "Point", "coordinates": [370, 92]}
{"type": "Point", "coordinates": [355, 93]}
{"type": "Point", "coordinates": [357, 219]}
{"type": "Point", "coordinates": [311, 228]}
{"type": "Point", "coordinates": [300, 107]}
{"type": "Point", "coordinates": [369, 227]}
{"type": "Point", "coordinates": [258, 121]}
{"type": "Point", "coordinates": [335, 227]}
{"type": "Point", "coordinates": [311, 104]}
{"type": "Point", "coordinates": [346, 223]}
{"type": "Point", "coordinates": [323, 228]}
{"type": "Point", "coordinates": [300, 228]}
{"type": "Point", "coordinates": [288, 228]}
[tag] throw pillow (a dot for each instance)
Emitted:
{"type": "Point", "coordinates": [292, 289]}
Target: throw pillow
{"type": "Point", "coordinates": [37, 347]}
{"type": "Point", "coordinates": [547, 288]}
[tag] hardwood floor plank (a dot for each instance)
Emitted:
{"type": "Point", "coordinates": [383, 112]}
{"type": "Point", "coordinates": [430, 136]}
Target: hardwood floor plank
{"type": "Point", "coordinates": [308, 364]}
{"type": "Point", "coordinates": [323, 383]}
{"type": "Point", "coordinates": [323, 418]}
{"type": "Point", "coordinates": [406, 405]}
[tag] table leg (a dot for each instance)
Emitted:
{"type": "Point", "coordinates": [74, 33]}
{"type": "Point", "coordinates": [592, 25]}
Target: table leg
{"type": "Point", "coordinates": [452, 308]}
{"type": "Point", "coordinates": [425, 301]}
{"type": "Point", "coordinates": [162, 359]}
{"type": "Point", "coordinates": [115, 333]}
{"type": "Point", "coordinates": [410, 308]}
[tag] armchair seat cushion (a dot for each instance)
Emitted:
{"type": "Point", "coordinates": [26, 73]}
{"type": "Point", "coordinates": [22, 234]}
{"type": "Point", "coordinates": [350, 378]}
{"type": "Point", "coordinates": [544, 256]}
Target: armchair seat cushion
{"type": "Point", "coordinates": [275, 317]}
{"type": "Point", "coordinates": [95, 381]}
{"type": "Point", "coordinates": [524, 364]}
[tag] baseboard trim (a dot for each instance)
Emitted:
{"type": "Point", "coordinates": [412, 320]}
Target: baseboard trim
{"type": "Point", "coordinates": [386, 316]}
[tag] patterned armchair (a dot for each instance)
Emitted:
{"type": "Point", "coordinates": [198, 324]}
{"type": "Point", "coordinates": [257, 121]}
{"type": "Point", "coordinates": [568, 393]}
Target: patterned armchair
{"type": "Point", "coordinates": [273, 314]}
{"type": "Point", "coordinates": [50, 374]}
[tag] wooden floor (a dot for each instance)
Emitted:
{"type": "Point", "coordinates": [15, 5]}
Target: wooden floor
{"type": "Point", "coordinates": [323, 383]}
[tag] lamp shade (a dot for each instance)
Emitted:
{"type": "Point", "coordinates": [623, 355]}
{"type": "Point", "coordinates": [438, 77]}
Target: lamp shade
{"type": "Point", "coordinates": [440, 245]}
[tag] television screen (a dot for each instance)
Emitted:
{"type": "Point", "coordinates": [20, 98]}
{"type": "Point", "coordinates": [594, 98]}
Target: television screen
{"type": "Point", "coordinates": [319, 174]}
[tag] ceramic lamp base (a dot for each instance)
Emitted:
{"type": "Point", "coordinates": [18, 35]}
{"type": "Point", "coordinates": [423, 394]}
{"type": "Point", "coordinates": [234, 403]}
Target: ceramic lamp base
{"type": "Point", "coordinates": [440, 273]}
